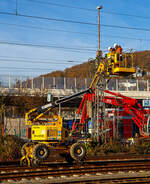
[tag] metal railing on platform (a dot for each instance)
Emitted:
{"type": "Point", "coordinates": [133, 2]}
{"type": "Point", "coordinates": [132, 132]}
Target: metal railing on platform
{"type": "Point", "coordinates": [42, 83]}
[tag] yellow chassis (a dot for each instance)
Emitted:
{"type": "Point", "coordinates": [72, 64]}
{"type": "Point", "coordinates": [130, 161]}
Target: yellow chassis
{"type": "Point", "coordinates": [29, 152]}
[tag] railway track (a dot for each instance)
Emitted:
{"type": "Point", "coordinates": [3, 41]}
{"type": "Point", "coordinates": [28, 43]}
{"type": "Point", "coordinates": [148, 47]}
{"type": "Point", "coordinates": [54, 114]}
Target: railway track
{"type": "Point", "coordinates": [89, 158]}
{"type": "Point", "coordinates": [99, 163]}
{"type": "Point", "coordinates": [91, 169]}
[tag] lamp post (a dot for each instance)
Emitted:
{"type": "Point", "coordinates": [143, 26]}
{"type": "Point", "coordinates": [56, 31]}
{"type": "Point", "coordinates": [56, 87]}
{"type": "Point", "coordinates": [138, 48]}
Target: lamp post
{"type": "Point", "coordinates": [99, 52]}
{"type": "Point", "coordinates": [99, 93]}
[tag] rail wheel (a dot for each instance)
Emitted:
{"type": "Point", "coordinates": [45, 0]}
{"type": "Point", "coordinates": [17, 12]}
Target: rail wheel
{"type": "Point", "coordinates": [78, 151]}
{"type": "Point", "coordinates": [69, 159]}
{"type": "Point", "coordinates": [24, 162]}
{"type": "Point", "coordinates": [35, 162]}
{"type": "Point", "coordinates": [40, 152]}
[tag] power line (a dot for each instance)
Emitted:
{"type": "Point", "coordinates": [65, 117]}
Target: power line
{"type": "Point", "coordinates": [125, 14]}
{"type": "Point", "coordinates": [41, 62]}
{"type": "Point", "coordinates": [88, 9]}
{"type": "Point", "coordinates": [44, 46]}
{"type": "Point", "coordinates": [75, 22]}
{"type": "Point", "coordinates": [46, 29]}
{"type": "Point", "coordinates": [48, 18]}
{"type": "Point", "coordinates": [41, 59]}
{"type": "Point", "coordinates": [130, 38]}
{"type": "Point", "coordinates": [48, 46]}
{"type": "Point", "coordinates": [33, 69]}
{"type": "Point", "coordinates": [61, 5]}
{"type": "Point", "coordinates": [16, 68]}
{"type": "Point", "coordinates": [60, 30]}
{"type": "Point", "coordinates": [125, 27]}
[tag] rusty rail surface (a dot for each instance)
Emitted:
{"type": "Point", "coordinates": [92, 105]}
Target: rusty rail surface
{"type": "Point", "coordinates": [65, 170]}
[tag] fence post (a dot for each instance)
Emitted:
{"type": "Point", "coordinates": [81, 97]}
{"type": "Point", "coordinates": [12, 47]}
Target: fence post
{"type": "Point", "coordinates": [106, 85]}
{"type": "Point", "coordinates": [54, 82]}
{"type": "Point", "coordinates": [49, 83]}
{"type": "Point", "coordinates": [75, 83]}
{"type": "Point", "coordinates": [116, 84]}
{"type": "Point", "coordinates": [147, 85]}
{"type": "Point", "coordinates": [64, 82]}
{"type": "Point", "coordinates": [137, 85]}
{"type": "Point", "coordinates": [21, 82]}
{"type": "Point", "coordinates": [32, 84]}
{"type": "Point", "coordinates": [43, 83]}
{"type": "Point", "coordinates": [9, 82]}
{"type": "Point", "coordinates": [127, 87]}
{"type": "Point", "coordinates": [85, 83]}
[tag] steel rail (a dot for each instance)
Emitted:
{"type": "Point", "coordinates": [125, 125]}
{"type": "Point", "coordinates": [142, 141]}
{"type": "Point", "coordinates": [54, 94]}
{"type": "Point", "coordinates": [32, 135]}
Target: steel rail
{"type": "Point", "coordinates": [90, 164]}
{"type": "Point", "coordinates": [80, 170]}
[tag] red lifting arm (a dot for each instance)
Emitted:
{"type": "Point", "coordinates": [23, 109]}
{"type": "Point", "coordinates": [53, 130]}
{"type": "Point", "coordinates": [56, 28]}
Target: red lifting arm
{"type": "Point", "coordinates": [128, 104]}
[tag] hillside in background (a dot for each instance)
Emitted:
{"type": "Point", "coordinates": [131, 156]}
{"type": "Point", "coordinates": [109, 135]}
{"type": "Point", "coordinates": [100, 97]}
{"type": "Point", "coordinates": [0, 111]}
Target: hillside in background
{"type": "Point", "coordinates": [80, 71]}
{"type": "Point", "coordinates": [142, 59]}
{"type": "Point", "coordinates": [86, 70]}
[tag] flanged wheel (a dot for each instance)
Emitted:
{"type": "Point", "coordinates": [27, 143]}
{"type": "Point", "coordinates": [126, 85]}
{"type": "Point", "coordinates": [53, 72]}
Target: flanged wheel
{"type": "Point", "coordinates": [24, 162]}
{"type": "Point", "coordinates": [40, 152]}
{"type": "Point", "coordinates": [78, 151]}
{"type": "Point", "coordinates": [69, 159]}
{"type": "Point", "coordinates": [35, 162]}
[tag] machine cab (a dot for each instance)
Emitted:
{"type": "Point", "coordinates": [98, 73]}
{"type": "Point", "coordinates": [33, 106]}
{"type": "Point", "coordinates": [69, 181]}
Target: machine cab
{"type": "Point", "coordinates": [51, 130]}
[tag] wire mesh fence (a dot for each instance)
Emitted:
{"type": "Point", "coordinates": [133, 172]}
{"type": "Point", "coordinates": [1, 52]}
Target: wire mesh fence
{"type": "Point", "coordinates": [20, 82]}
{"type": "Point", "coordinates": [15, 126]}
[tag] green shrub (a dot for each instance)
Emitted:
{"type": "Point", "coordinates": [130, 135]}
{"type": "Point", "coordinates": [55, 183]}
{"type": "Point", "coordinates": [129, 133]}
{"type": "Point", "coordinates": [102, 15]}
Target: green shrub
{"type": "Point", "coordinates": [115, 147]}
{"type": "Point", "coordinates": [143, 147]}
{"type": "Point", "coordinates": [106, 148]}
{"type": "Point", "coordinates": [92, 148]}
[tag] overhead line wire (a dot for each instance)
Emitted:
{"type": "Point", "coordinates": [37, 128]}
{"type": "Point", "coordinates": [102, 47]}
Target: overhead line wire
{"type": "Point", "coordinates": [61, 5]}
{"type": "Point", "coordinates": [124, 37]}
{"type": "Point", "coordinates": [75, 22]}
{"type": "Point", "coordinates": [47, 29]}
{"type": "Point", "coordinates": [48, 46]}
{"type": "Point", "coordinates": [57, 20]}
{"type": "Point", "coordinates": [33, 69]}
{"type": "Point", "coordinates": [59, 30]}
{"type": "Point", "coordinates": [69, 60]}
{"type": "Point", "coordinates": [125, 14]}
{"type": "Point", "coordinates": [125, 27]}
{"type": "Point", "coordinates": [88, 9]}
{"type": "Point", "coordinates": [17, 68]}
{"type": "Point", "coordinates": [27, 61]}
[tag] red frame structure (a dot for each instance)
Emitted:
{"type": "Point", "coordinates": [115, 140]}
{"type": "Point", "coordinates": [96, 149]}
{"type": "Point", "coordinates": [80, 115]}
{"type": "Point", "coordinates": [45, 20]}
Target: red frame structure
{"type": "Point", "coordinates": [128, 104]}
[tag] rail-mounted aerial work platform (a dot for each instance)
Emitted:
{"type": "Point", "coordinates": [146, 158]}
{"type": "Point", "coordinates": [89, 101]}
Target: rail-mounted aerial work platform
{"type": "Point", "coordinates": [46, 134]}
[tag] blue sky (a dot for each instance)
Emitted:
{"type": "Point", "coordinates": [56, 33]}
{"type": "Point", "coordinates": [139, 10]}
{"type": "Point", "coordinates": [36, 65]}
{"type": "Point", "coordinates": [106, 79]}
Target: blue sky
{"type": "Point", "coordinates": [17, 29]}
